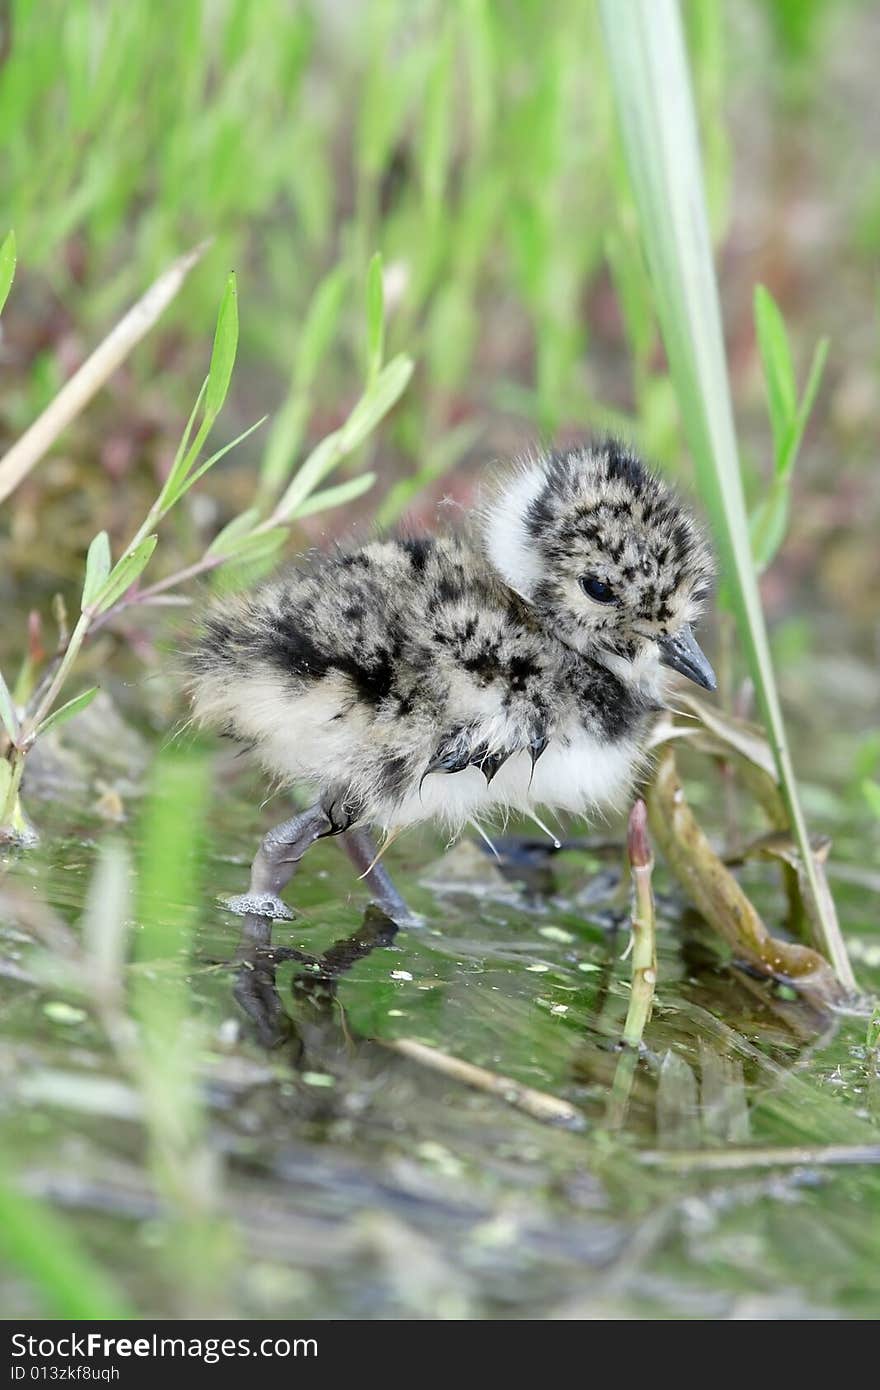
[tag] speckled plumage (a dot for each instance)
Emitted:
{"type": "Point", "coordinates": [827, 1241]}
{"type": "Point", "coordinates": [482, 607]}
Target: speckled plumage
{"type": "Point", "coordinates": [467, 674]}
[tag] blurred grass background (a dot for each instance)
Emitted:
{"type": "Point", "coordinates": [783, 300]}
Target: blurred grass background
{"type": "Point", "coordinates": [488, 175]}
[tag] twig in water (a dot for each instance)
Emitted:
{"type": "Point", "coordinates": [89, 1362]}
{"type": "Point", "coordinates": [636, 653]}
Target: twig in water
{"type": "Point", "coordinates": [538, 1104]}
{"type": "Point", "coordinates": [712, 1160]}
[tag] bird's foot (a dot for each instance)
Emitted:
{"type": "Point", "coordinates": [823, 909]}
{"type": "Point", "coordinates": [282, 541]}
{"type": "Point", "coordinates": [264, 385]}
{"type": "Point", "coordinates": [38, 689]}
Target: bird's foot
{"type": "Point", "coordinates": [267, 905]}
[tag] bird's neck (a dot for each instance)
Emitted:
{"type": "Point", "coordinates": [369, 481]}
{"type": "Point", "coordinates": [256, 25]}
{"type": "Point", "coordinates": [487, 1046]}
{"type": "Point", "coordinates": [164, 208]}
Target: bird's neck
{"type": "Point", "coordinates": [639, 672]}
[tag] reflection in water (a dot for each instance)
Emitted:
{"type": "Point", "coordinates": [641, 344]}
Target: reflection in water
{"type": "Point", "coordinates": [313, 989]}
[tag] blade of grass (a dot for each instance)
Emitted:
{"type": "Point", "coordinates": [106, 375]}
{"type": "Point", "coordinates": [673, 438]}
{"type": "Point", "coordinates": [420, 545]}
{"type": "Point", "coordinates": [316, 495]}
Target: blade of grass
{"type": "Point", "coordinates": [169, 1039]}
{"type": "Point", "coordinates": [652, 94]}
{"type": "Point", "coordinates": [68, 710]}
{"type": "Point", "coordinates": [75, 395]}
{"type": "Point", "coordinates": [8, 716]}
{"type": "Point", "coordinates": [336, 496]}
{"type": "Point", "coordinates": [7, 267]}
{"type": "Point", "coordinates": [778, 366]}
{"type": "Point", "coordinates": [42, 1245]}
{"type": "Point", "coordinates": [224, 350]}
{"type": "Point", "coordinates": [123, 574]}
{"type": "Point", "coordinates": [375, 318]}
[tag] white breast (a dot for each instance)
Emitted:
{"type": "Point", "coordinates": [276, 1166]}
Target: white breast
{"type": "Point", "coordinates": [575, 774]}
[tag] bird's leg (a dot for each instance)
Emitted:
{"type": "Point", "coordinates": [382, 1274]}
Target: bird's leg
{"type": "Point", "coordinates": [276, 862]}
{"type": "Point", "coordinates": [363, 852]}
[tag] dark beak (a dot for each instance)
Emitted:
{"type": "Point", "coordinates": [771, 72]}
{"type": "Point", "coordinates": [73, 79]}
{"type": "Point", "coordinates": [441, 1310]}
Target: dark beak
{"type": "Point", "coordinates": [682, 653]}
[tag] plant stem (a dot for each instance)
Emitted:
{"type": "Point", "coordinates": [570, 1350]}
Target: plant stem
{"type": "Point", "coordinates": [50, 695]}
{"type": "Point", "coordinates": [11, 818]}
{"type": "Point", "coordinates": [644, 955]}
{"type": "Point", "coordinates": [644, 962]}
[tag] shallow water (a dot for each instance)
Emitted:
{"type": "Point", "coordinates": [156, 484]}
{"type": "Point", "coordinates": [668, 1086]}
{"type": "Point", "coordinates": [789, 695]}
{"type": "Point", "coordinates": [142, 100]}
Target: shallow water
{"type": "Point", "coordinates": [359, 1184]}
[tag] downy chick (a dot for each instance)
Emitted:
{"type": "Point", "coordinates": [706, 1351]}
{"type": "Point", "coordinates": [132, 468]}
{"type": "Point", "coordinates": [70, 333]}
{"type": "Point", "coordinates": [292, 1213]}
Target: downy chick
{"type": "Point", "coordinates": [512, 665]}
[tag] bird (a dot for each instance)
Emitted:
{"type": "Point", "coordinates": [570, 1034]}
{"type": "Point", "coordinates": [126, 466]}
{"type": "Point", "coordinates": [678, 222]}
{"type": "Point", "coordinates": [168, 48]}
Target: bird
{"type": "Point", "coordinates": [510, 663]}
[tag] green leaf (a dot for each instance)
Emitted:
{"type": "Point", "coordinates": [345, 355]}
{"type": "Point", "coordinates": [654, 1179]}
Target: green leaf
{"type": "Point", "coordinates": [652, 94]}
{"type": "Point", "coordinates": [258, 546]}
{"type": "Point", "coordinates": [434, 146]}
{"type": "Point", "coordinates": [321, 461]}
{"type": "Point", "coordinates": [285, 437]}
{"type": "Point", "coordinates": [779, 379]}
{"type": "Point", "coordinates": [98, 564]}
{"type": "Point", "coordinates": [871, 792]}
{"type": "Point", "coordinates": [376, 402]}
{"type": "Point", "coordinates": [224, 541]}
{"type": "Point", "coordinates": [124, 574]}
{"type": "Point", "coordinates": [375, 317]}
{"type": "Point", "coordinates": [67, 711]}
{"type": "Point", "coordinates": [319, 326]}
{"type": "Point", "coordinates": [7, 267]}
{"type": "Point", "coordinates": [336, 496]}
{"type": "Point", "coordinates": [182, 459]}
{"type": "Point", "coordinates": [224, 350]}
{"type": "Point", "coordinates": [791, 447]}
{"type": "Point", "coordinates": [187, 482]}
{"type": "Point", "coordinates": [8, 716]}
{"type": "Point", "coordinates": [255, 558]}
{"type": "Point", "coordinates": [769, 523]}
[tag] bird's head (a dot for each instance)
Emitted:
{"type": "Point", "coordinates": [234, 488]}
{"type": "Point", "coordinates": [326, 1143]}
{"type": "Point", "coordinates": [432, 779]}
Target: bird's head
{"type": "Point", "coordinates": [607, 557]}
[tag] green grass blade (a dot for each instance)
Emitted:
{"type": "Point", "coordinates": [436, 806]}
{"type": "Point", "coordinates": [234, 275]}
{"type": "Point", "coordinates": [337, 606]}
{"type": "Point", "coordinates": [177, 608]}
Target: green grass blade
{"type": "Point", "coordinates": [224, 542]}
{"type": "Point", "coordinates": [8, 717]}
{"type": "Point", "coordinates": [224, 350]}
{"type": "Point", "coordinates": [123, 575]}
{"type": "Point", "coordinates": [7, 267]}
{"type": "Point", "coordinates": [652, 94]}
{"type": "Point", "coordinates": [68, 710]}
{"type": "Point", "coordinates": [376, 401]}
{"type": "Point", "coordinates": [193, 477]}
{"type": "Point", "coordinates": [375, 318]}
{"type": "Point", "coordinates": [182, 459]}
{"type": "Point", "coordinates": [42, 1246]}
{"type": "Point", "coordinates": [320, 326]}
{"type": "Point", "coordinates": [778, 367]}
{"type": "Point", "coordinates": [336, 496]}
{"type": "Point", "coordinates": [792, 445]}
{"type": "Point", "coordinates": [769, 523]}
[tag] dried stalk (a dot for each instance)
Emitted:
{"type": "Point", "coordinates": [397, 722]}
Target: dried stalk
{"type": "Point", "coordinates": [718, 897]}
{"type": "Point", "coordinates": [75, 395]}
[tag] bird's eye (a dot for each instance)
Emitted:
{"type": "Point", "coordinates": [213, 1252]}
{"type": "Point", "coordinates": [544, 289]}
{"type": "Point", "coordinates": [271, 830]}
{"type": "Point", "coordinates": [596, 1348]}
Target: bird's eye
{"type": "Point", "coordinates": [595, 589]}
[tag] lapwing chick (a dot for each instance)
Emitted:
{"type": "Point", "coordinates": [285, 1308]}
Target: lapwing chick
{"type": "Point", "coordinates": [514, 664]}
